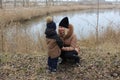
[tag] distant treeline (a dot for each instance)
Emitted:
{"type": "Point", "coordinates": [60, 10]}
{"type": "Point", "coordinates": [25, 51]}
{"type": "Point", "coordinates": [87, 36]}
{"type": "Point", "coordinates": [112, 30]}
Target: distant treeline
{"type": "Point", "coordinates": [41, 3]}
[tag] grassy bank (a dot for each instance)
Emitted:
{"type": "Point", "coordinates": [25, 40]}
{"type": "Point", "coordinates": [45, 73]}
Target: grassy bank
{"type": "Point", "coordinates": [96, 64]}
{"type": "Point", "coordinates": [21, 41]}
{"type": "Point", "coordinates": [22, 14]}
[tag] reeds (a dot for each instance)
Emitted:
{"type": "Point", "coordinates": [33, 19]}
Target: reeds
{"type": "Point", "coordinates": [21, 40]}
{"type": "Point", "coordinates": [22, 14]}
{"type": "Point", "coordinates": [109, 38]}
{"type": "Point", "coordinates": [23, 43]}
{"type": "Point", "coordinates": [17, 40]}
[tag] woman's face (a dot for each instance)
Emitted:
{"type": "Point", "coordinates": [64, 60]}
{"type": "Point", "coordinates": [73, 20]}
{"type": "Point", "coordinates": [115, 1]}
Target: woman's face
{"type": "Point", "coordinates": [61, 31]}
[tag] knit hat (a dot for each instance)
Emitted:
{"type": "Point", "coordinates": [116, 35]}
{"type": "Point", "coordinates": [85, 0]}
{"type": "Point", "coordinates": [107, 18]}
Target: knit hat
{"type": "Point", "coordinates": [49, 19]}
{"type": "Point", "coordinates": [50, 23]}
{"type": "Point", "coordinates": [64, 22]}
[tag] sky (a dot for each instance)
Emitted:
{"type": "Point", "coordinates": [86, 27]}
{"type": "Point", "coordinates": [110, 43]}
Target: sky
{"type": "Point", "coordinates": [112, 0]}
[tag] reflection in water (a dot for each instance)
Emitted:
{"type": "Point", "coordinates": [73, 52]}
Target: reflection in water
{"type": "Point", "coordinates": [84, 22]}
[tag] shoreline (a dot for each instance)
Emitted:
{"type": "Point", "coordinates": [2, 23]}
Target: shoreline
{"type": "Point", "coordinates": [25, 14]}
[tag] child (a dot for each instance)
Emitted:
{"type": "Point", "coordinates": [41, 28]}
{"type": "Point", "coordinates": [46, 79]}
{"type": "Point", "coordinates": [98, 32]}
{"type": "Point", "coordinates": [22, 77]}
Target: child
{"type": "Point", "coordinates": [54, 44]}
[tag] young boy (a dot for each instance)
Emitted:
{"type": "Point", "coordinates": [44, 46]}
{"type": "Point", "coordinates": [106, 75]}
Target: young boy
{"type": "Point", "coordinates": [54, 44]}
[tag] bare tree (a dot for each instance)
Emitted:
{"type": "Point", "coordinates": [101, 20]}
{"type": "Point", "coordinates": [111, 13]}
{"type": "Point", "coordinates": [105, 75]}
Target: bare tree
{"type": "Point", "coordinates": [52, 1]}
{"type": "Point", "coordinates": [23, 3]}
{"type": "Point", "coordinates": [46, 1]}
{"type": "Point", "coordinates": [15, 3]}
{"type": "Point", "coordinates": [27, 2]}
{"type": "Point", "coordinates": [35, 3]}
{"type": "Point", "coordinates": [1, 4]}
{"type": "Point", "coordinates": [117, 4]}
{"type": "Point", "coordinates": [97, 27]}
{"type": "Point", "coordinates": [2, 37]}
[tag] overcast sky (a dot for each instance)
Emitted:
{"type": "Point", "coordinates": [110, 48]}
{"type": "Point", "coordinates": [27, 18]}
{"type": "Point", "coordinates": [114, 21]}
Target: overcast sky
{"type": "Point", "coordinates": [112, 0]}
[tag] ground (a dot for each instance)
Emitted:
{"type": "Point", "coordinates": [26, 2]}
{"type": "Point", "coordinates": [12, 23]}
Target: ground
{"type": "Point", "coordinates": [95, 65]}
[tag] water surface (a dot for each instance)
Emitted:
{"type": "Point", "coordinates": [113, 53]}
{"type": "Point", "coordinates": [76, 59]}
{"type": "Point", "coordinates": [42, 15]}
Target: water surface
{"type": "Point", "coordinates": [84, 22]}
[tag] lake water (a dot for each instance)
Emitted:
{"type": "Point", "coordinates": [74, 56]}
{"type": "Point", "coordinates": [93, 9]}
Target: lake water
{"type": "Point", "coordinates": [84, 21]}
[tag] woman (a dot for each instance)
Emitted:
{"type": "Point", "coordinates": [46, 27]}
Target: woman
{"type": "Point", "coordinates": [70, 50]}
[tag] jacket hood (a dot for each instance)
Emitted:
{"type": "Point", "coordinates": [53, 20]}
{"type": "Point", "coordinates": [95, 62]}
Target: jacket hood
{"type": "Point", "coordinates": [64, 22]}
{"type": "Point", "coordinates": [50, 33]}
{"type": "Point", "coordinates": [51, 25]}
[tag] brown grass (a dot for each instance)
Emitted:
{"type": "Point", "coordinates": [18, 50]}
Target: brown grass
{"type": "Point", "coordinates": [21, 14]}
{"type": "Point", "coordinates": [21, 41]}
{"type": "Point", "coordinates": [95, 64]}
{"type": "Point", "coordinates": [109, 39]}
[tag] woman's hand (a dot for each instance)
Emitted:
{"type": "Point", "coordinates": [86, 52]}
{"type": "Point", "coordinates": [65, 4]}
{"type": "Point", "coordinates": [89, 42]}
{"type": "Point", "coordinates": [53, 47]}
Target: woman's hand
{"type": "Point", "coordinates": [69, 49]}
{"type": "Point", "coordinates": [76, 49]}
{"type": "Point", "coordinates": [66, 48]}
{"type": "Point", "coordinates": [63, 48]}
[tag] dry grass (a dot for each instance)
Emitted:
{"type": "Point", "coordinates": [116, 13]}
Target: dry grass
{"type": "Point", "coordinates": [19, 41]}
{"type": "Point", "coordinates": [21, 14]}
{"type": "Point", "coordinates": [95, 65]}
{"type": "Point", "coordinates": [22, 42]}
{"type": "Point", "coordinates": [109, 39]}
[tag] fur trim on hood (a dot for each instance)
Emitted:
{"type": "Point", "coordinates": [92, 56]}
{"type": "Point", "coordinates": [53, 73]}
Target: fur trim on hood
{"type": "Point", "coordinates": [70, 32]}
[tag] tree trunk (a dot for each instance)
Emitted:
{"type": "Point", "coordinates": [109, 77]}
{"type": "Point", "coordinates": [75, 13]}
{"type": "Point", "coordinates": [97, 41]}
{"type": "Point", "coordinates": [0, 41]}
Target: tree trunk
{"type": "Point", "coordinates": [2, 37]}
{"type": "Point", "coordinates": [1, 4]}
{"type": "Point", "coordinates": [97, 27]}
{"type": "Point", "coordinates": [35, 3]}
{"type": "Point", "coordinates": [27, 3]}
{"type": "Point", "coordinates": [14, 3]}
{"type": "Point", "coordinates": [23, 3]}
{"type": "Point", "coordinates": [46, 2]}
{"type": "Point", "coordinates": [52, 2]}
